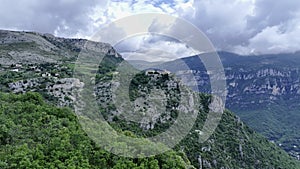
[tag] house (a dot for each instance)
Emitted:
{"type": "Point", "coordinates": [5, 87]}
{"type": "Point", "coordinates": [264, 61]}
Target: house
{"type": "Point", "coordinates": [157, 71]}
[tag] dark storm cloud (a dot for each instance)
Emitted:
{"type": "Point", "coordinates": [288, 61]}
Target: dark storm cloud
{"type": "Point", "coordinates": [245, 26]}
{"type": "Point", "coordinates": [66, 17]}
{"type": "Point", "coordinates": [271, 13]}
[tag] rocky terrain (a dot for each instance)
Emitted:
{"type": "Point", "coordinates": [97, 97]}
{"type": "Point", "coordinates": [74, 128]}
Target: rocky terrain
{"type": "Point", "coordinates": [31, 47]}
{"type": "Point", "coordinates": [43, 63]}
{"type": "Point", "coordinates": [263, 90]}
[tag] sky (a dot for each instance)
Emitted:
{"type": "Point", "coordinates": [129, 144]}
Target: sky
{"type": "Point", "coordinates": [240, 26]}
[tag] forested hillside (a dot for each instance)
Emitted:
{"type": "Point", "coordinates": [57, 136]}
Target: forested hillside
{"type": "Point", "coordinates": [39, 128]}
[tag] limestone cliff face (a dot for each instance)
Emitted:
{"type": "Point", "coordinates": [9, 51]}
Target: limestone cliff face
{"type": "Point", "coordinates": [247, 87]}
{"type": "Point", "coordinates": [263, 90]}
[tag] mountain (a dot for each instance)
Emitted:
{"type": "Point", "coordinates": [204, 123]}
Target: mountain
{"type": "Point", "coordinates": [268, 92]}
{"type": "Point", "coordinates": [31, 48]}
{"type": "Point", "coordinates": [263, 90]}
{"type": "Point", "coordinates": [36, 133]}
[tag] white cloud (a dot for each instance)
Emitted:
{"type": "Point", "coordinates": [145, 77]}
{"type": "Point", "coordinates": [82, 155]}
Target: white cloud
{"type": "Point", "coordinates": [244, 26]}
{"type": "Point", "coordinates": [153, 48]}
{"type": "Point", "coordinates": [283, 38]}
{"type": "Point", "coordinates": [224, 23]}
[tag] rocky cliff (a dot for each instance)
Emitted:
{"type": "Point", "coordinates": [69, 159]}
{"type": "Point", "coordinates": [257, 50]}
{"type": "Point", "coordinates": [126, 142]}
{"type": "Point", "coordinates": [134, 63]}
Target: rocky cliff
{"type": "Point", "coordinates": [263, 90]}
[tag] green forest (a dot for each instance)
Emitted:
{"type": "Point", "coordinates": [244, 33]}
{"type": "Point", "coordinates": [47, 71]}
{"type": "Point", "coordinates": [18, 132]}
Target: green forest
{"type": "Point", "coordinates": [34, 134]}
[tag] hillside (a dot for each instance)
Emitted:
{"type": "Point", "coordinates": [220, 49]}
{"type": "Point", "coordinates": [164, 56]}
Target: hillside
{"type": "Point", "coordinates": [263, 90]}
{"type": "Point", "coordinates": [35, 133]}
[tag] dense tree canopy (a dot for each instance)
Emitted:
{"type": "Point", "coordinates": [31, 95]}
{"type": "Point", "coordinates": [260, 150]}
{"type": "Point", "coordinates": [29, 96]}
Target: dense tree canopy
{"type": "Point", "coordinates": [34, 134]}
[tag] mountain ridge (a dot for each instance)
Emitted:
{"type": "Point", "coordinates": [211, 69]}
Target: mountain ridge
{"type": "Point", "coordinates": [233, 145]}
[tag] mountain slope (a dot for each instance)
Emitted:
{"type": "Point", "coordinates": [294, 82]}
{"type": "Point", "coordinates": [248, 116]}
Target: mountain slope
{"type": "Point", "coordinates": [31, 48]}
{"type": "Point", "coordinates": [263, 90]}
{"type": "Point", "coordinates": [233, 145]}
{"type": "Point", "coordinates": [37, 135]}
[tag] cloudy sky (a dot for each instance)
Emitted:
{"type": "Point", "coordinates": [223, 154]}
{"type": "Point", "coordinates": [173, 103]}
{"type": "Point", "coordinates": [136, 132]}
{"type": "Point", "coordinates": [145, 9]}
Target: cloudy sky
{"type": "Point", "coordinates": [241, 26]}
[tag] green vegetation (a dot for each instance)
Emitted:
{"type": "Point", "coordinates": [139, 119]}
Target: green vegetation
{"type": "Point", "coordinates": [263, 90]}
{"type": "Point", "coordinates": [282, 130]}
{"type": "Point", "coordinates": [233, 145]}
{"type": "Point", "coordinates": [36, 135]}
